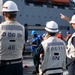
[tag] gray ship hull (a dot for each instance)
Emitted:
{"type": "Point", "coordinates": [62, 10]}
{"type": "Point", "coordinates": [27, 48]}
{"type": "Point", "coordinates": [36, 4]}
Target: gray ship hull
{"type": "Point", "coordinates": [36, 16]}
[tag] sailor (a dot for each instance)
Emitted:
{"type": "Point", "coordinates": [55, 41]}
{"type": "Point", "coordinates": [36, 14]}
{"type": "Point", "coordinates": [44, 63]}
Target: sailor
{"type": "Point", "coordinates": [34, 41]}
{"type": "Point", "coordinates": [68, 35]}
{"type": "Point", "coordinates": [54, 51]}
{"type": "Point", "coordinates": [59, 35]}
{"type": "Point", "coordinates": [11, 41]}
{"type": "Point", "coordinates": [34, 44]}
{"type": "Point", "coordinates": [71, 46]}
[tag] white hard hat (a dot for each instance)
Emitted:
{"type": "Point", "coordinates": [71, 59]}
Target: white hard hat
{"type": "Point", "coordinates": [72, 19]}
{"type": "Point", "coordinates": [52, 26]}
{"type": "Point", "coordinates": [9, 6]}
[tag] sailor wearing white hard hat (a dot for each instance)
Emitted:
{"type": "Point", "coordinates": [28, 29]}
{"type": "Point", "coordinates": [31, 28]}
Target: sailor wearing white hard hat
{"type": "Point", "coordinates": [54, 51]}
{"type": "Point", "coordinates": [70, 46]}
{"type": "Point", "coordinates": [11, 41]}
{"type": "Point", "coordinates": [71, 49]}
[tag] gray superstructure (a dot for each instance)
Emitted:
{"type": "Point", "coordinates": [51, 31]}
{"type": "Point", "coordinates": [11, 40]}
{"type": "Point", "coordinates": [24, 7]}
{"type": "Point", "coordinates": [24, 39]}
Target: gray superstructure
{"type": "Point", "coordinates": [35, 16]}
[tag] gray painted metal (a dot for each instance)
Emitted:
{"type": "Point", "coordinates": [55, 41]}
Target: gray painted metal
{"type": "Point", "coordinates": [33, 15]}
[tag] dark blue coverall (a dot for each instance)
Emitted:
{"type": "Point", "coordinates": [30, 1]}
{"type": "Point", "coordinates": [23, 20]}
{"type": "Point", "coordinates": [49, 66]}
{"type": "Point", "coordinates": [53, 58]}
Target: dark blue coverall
{"type": "Point", "coordinates": [36, 59]}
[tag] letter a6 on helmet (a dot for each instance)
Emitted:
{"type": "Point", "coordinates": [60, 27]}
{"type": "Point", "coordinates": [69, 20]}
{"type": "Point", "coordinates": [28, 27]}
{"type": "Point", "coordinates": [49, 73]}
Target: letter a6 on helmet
{"type": "Point", "coordinates": [52, 26]}
{"type": "Point", "coordinates": [9, 6]}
